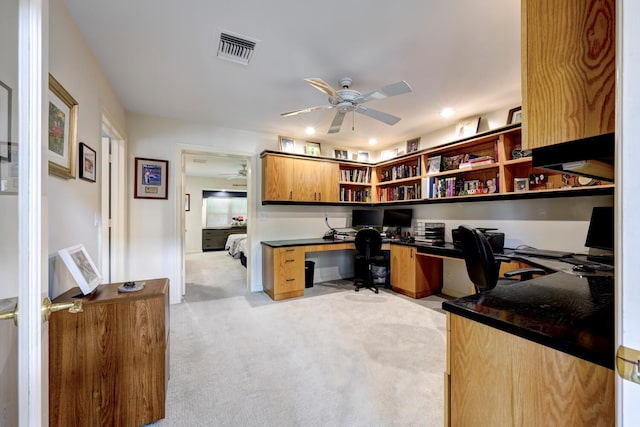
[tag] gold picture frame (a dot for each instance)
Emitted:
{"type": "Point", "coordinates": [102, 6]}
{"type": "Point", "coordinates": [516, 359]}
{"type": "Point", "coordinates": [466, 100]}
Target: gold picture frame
{"type": "Point", "coordinates": [312, 149]}
{"type": "Point", "coordinates": [62, 131]}
{"type": "Point", "coordinates": [286, 144]}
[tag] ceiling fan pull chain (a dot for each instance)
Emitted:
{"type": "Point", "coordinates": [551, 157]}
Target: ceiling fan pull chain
{"type": "Point", "coordinates": [353, 115]}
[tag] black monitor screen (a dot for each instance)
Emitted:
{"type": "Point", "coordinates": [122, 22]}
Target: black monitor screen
{"type": "Point", "coordinates": [366, 218]}
{"type": "Point", "coordinates": [600, 234]}
{"type": "Point", "coordinates": [397, 217]}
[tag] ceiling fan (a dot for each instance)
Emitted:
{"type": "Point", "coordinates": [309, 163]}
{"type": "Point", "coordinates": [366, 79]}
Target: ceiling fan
{"type": "Point", "coordinates": [242, 173]}
{"type": "Point", "coordinates": [346, 100]}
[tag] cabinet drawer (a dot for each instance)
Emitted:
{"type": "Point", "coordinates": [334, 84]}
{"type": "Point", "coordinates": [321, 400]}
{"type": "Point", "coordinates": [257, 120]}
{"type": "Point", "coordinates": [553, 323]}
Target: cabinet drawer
{"type": "Point", "coordinates": [290, 269]}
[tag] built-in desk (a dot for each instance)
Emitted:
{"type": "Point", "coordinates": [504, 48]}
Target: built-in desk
{"type": "Point", "coordinates": [416, 270]}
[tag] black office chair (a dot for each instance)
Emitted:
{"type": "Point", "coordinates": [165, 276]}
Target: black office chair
{"type": "Point", "coordinates": [483, 266]}
{"type": "Point", "coordinates": [368, 245]}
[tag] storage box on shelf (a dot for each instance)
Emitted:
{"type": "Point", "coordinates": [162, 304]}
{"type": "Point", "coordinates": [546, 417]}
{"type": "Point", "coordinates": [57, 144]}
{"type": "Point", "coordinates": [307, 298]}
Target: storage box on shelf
{"type": "Point", "coordinates": [400, 180]}
{"type": "Point", "coordinates": [355, 183]}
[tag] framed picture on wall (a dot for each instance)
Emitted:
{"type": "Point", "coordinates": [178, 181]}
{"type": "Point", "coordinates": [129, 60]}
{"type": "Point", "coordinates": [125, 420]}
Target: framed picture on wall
{"type": "Point", "coordinates": [151, 177]}
{"type": "Point", "coordinates": [87, 163]}
{"type": "Point", "coordinates": [5, 122]}
{"type": "Point", "coordinates": [62, 130]}
{"type": "Point", "coordinates": [187, 202]}
{"type": "Point", "coordinates": [467, 127]}
{"type": "Point", "coordinates": [412, 145]}
{"type": "Point", "coordinates": [286, 144]}
{"type": "Point", "coordinates": [312, 149]}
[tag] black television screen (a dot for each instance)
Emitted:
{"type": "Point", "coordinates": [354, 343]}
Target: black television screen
{"type": "Point", "coordinates": [366, 218]}
{"type": "Point", "coordinates": [397, 217]}
{"type": "Point", "coordinates": [600, 234]}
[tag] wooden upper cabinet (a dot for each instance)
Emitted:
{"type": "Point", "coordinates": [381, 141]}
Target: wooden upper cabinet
{"type": "Point", "coordinates": [300, 180]}
{"type": "Point", "coordinates": [568, 70]}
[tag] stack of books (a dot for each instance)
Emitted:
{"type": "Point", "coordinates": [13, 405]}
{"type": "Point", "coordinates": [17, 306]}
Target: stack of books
{"type": "Point", "coordinates": [477, 161]}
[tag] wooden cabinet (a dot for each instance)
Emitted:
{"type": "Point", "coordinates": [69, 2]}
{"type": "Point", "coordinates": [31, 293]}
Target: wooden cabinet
{"type": "Point", "coordinates": [283, 272]}
{"type": "Point", "coordinates": [109, 365]}
{"type": "Point", "coordinates": [568, 70]}
{"type": "Point", "coordinates": [414, 275]}
{"type": "Point", "coordinates": [287, 178]}
{"type": "Point", "coordinates": [494, 378]}
{"type": "Point", "coordinates": [214, 239]}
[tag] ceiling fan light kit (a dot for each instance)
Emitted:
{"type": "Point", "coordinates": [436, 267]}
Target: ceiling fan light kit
{"type": "Point", "coordinates": [347, 100]}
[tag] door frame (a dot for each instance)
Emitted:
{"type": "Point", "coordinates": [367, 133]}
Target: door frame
{"type": "Point", "coordinates": [33, 387]}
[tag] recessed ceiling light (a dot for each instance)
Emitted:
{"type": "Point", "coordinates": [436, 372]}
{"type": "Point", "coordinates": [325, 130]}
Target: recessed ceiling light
{"type": "Point", "coordinates": [447, 112]}
{"type": "Point", "coordinates": [373, 141]}
{"type": "Point", "coordinates": [309, 130]}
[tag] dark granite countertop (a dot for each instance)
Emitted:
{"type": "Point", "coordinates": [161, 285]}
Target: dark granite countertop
{"type": "Point", "coordinates": [570, 313]}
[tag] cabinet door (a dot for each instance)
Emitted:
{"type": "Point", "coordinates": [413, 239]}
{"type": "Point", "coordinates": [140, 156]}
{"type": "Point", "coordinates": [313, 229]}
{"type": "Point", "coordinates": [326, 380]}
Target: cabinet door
{"type": "Point", "coordinates": [277, 178]}
{"type": "Point", "coordinates": [315, 181]}
{"type": "Point", "coordinates": [568, 70]}
{"type": "Point", "coordinates": [327, 183]}
{"type": "Point", "coordinates": [403, 272]}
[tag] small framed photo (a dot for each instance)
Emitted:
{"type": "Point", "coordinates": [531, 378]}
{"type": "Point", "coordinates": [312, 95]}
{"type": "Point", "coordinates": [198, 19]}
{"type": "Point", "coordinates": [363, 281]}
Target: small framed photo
{"type": "Point", "coordinates": [312, 149]}
{"type": "Point", "coordinates": [515, 115]}
{"type": "Point", "coordinates": [5, 122]}
{"type": "Point", "coordinates": [433, 164]}
{"type": "Point", "coordinates": [151, 179]}
{"type": "Point", "coordinates": [520, 185]}
{"type": "Point", "coordinates": [81, 267]}
{"type": "Point", "coordinates": [87, 163]}
{"type": "Point", "coordinates": [412, 145]}
{"type": "Point", "coordinates": [363, 156]}
{"type": "Point", "coordinates": [472, 186]}
{"type": "Point", "coordinates": [62, 129]}
{"type": "Point", "coordinates": [341, 154]}
{"type": "Point", "coordinates": [187, 202]}
{"type": "Point", "coordinates": [388, 154]}
{"type": "Point", "coordinates": [467, 127]}
{"type": "Point", "coordinates": [286, 144]}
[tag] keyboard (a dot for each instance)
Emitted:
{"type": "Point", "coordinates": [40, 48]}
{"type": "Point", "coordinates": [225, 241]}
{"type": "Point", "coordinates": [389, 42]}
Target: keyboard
{"type": "Point", "coordinates": [543, 253]}
{"type": "Point", "coordinates": [597, 266]}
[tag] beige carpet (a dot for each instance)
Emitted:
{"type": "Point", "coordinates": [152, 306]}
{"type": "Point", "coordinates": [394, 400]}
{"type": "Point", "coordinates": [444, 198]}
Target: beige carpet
{"type": "Point", "coordinates": [332, 358]}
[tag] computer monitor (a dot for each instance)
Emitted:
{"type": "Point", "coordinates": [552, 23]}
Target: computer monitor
{"type": "Point", "coordinates": [397, 217]}
{"type": "Point", "coordinates": [366, 218]}
{"type": "Point", "coordinates": [600, 234]}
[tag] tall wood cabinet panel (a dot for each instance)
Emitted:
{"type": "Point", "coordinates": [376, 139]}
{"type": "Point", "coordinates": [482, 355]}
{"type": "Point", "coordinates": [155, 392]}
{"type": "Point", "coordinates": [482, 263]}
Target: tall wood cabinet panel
{"type": "Point", "coordinates": [414, 275]}
{"type": "Point", "coordinates": [283, 272]}
{"type": "Point", "coordinates": [568, 70]}
{"type": "Point", "coordinates": [493, 378]}
{"type": "Point", "coordinates": [286, 178]}
{"type": "Point", "coordinates": [109, 365]}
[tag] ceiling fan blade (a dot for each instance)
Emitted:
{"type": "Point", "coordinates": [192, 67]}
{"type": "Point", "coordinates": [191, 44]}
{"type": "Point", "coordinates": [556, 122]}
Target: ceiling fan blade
{"type": "Point", "coordinates": [378, 115]}
{"type": "Point", "coordinates": [305, 110]}
{"type": "Point", "coordinates": [389, 90]}
{"type": "Point", "coordinates": [322, 86]}
{"type": "Point", "coordinates": [336, 124]}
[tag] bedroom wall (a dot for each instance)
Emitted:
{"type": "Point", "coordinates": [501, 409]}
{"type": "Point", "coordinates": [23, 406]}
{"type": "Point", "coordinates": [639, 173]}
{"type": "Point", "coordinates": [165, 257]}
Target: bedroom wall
{"type": "Point", "coordinates": [72, 63]}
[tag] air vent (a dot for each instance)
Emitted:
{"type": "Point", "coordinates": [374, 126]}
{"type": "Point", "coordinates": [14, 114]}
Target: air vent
{"type": "Point", "coordinates": [235, 48]}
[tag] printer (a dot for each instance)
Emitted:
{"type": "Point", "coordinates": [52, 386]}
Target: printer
{"type": "Point", "coordinates": [495, 238]}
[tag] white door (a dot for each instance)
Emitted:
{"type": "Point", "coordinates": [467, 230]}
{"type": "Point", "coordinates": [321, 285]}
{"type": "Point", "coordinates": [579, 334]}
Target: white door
{"type": "Point", "coordinates": [628, 203]}
{"type": "Point", "coordinates": [23, 381]}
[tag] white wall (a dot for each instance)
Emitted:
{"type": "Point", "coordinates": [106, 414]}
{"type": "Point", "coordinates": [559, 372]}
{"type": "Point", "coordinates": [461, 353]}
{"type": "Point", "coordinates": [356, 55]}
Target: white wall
{"type": "Point", "coordinates": [74, 211]}
{"type": "Point", "coordinates": [194, 218]}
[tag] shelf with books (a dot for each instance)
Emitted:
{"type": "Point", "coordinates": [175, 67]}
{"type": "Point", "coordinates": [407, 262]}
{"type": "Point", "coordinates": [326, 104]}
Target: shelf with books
{"type": "Point", "coordinates": [355, 174]}
{"type": "Point", "coordinates": [400, 170]}
{"type": "Point", "coordinates": [355, 193]}
{"type": "Point", "coordinates": [400, 193]}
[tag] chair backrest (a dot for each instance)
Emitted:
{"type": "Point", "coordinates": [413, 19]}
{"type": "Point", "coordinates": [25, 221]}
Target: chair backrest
{"type": "Point", "coordinates": [368, 242]}
{"type": "Point", "coordinates": [478, 257]}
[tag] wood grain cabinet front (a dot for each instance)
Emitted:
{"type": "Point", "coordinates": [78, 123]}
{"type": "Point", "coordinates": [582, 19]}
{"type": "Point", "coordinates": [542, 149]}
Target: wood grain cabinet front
{"type": "Point", "coordinates": [413, 274]}
{"type": "Point", "coordinates": [109, 365]}
{"type": "Point", "coordinates": [283, 272]}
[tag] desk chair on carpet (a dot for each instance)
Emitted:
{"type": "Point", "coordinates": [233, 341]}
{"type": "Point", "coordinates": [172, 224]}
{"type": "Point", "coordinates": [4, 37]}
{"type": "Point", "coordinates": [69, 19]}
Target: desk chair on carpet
{"type": "Point", "coordinates": [483, 266]}
{"type": "Point", "coordinates": [368, 245]}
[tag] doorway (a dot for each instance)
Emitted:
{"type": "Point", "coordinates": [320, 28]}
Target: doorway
{"type": "Point", "coordinates": [216, 188]}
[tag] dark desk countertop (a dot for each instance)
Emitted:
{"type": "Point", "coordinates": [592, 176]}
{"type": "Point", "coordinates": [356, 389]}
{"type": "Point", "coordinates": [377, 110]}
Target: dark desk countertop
{"type": "Point", "coordinates": [569, 313]}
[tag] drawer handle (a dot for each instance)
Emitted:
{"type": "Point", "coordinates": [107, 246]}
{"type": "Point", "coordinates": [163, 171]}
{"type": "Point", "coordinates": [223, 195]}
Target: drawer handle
{"type": "Point", "coordinates": [291, 280]}
{"type": "Point", "coordinates": [290, 260]}
{"type": "Point", "coordinates": [289, 250]}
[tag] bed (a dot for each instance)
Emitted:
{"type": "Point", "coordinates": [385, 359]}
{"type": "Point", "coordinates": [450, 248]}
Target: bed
{"type": "Point", "coordinates": [236, 246]}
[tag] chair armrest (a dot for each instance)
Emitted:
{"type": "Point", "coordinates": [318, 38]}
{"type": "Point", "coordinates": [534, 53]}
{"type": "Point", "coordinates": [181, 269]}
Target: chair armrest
{"type": "Point", "coordinates": [524, 273]}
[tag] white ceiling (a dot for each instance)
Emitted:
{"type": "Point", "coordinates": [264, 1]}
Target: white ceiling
{"type": "Point", "coordinates": [160, 57]}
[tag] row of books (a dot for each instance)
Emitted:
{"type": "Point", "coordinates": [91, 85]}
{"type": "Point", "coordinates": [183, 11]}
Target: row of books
{"type": "Point", "coordinates": [356, 175]}
{"type": "Point", "coordinates": [402, 171]}
{"type": "Point", "coordinates": [458, 186]}
{"type": "Point", "coordinates": [400, 192]}
{"type": "Point", "coordinates": [352, 195]}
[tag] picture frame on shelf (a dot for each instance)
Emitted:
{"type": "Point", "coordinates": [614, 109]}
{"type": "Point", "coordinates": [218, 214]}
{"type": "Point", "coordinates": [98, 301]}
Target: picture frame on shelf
{"type": "Point", "coordinates": [520, 185]}
{"type": "Point", "coordinates": [434, 163]}
{"type": "Point", "coordinates": [187, 202]}
{"type": "Point", "coordinates": [312, 149]}
{"type": "Point", "coordinates": [341, 154]}
{"type": "Point", "coordinates": [515, 115]}
{"type": "Point", "coordinates": [286, 144]}
{"type": "Point", "coordinates": [81, 266]}
{"type": "Point", "coordinates": [467, 127]}
{"type": "Point", "coordinates": [388, 154]}
{"type": "Point", "coordinates": [413, 145]}
{"type": "Point", "coordinates": [363, 156]}
{"type": "Point", "coordinates": [62, 129]}
{"type": "Point", "coordinates": [151, 179]}
{"type": "Point", "coordinates": [87, 166]}
{"type": "Point", "coordinates": [5, 122]}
